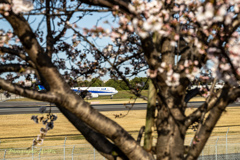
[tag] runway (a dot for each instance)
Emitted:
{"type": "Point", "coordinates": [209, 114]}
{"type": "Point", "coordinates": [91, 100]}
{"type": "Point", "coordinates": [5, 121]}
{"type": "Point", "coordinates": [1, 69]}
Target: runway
{"type": "Point", "coordinates": [33, 107]}
{"type": "Point", "coordinates": [18, 107]}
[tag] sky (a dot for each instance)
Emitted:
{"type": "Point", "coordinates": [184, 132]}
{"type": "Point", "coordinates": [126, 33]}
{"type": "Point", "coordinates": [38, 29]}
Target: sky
{"type": "Point", "coordinates": [88, 22]}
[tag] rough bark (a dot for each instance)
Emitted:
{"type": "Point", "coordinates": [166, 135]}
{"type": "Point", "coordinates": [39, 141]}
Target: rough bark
{"type": "Point", "coordinates": [171, 133]}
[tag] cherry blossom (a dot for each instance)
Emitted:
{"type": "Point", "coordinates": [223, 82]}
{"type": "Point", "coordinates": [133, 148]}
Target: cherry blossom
{"type": "Point", "coordinates": [19, 6]}
{"type": "Point", "coordinates": [172, 78]}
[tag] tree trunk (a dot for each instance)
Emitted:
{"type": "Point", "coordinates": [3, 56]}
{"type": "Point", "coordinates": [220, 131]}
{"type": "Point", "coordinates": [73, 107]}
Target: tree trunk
{"type": "Point", "coordinates": [171, 130]}
{"type": "Point", "coordinates": [150, 117]}
{"type": "Point", "coordinates": [170, 142]}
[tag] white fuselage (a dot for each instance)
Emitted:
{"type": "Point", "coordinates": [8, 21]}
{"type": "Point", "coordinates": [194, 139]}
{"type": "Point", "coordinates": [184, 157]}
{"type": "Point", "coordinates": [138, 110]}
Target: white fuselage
{"type": "Point", "coordinates": [94, 91]}
{"type": "Point", "coordinates": [100, 91]}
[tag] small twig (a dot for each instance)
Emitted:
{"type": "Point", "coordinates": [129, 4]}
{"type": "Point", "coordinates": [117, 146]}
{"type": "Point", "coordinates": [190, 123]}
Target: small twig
{"type": "Point", "coordinates": [205, 107]}
{"type": "Point", "coordinates": [140, 133]}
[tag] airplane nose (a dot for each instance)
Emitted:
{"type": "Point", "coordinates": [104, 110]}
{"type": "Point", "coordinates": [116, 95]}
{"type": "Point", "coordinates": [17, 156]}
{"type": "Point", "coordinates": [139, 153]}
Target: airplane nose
{"type": "Point", "coordinates": [116, 91]}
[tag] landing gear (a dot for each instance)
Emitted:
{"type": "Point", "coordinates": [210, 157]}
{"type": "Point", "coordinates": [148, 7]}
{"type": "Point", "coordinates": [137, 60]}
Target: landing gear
{"type": "Point", "coordinates": [111, 97]}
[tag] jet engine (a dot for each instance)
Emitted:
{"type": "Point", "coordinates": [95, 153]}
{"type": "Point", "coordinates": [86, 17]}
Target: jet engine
{"type": "Point", "coordinates": [94, 95]}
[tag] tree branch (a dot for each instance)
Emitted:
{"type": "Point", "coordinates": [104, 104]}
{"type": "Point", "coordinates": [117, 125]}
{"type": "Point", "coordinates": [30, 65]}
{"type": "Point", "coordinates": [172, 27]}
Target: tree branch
{"type": "Point", "coordinates": [190, 94]}
{"type": "Point", "coordinates": [234, 94]}
{"type": "Point", "coordinates": [193, 117]}
{"type": "Point", "coordinates": [12, 67]}
{"type": "Point", "coordinates": [235, 24]}
{"type": "Point", "coordinates": [230, 62]}
{"type": "Point", "coordinates": [123, 4]}
{"type": "Point", "coordinates": [150, 53]}
{"type": "Point", "coordinates": [36, 53]}
{"type": "Point", "coordinates": [140, 133]}
{"type": "Point", "coordinates": [69, 12]}
{"type": "Point", "coordinates": [66, 26]}
{"type": "Point", "coordinates": [209, 124]}
{"type": "Point", "coordinates": [18, 53]}
{"type": "Point", "coordinates": [50, 42]}
{"type": "Point", "coordinates": [49, 96]}
{"type": "Point", "coordinates": [97, 140]}
{"type": "Point", "coordinates": [107, 127]}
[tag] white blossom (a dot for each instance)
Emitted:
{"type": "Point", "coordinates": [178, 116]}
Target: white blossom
{"type": "Point", "coordinates": [173, 43]}
{"type": "Point", "coordinates": [222, 10]}
{"type": "Point", "coordinates": [209, 10]}
{"type": "Point", "coordinates": [19, 6]}
{"type": "Point", "coordinates": [109, 48]}
{"type": "Point", "coordinates": [157, 26]}
{"type": "Point", "coordinates": [228, 19]}
{"type": "Point", "coordinates": [131, 8]}
{"type": "Point", "coordinates": [163, 64]}
{"type": "Point", "coordinates": [143, 34]}
{"type": "Point", "coordinates": [135, 22]}
{"type": "Point", "coordinates": [147, 26]}
{"type": "Point", "coordinates": [236, 8]}
{"type": "Point", "coordinates": [172, 78]}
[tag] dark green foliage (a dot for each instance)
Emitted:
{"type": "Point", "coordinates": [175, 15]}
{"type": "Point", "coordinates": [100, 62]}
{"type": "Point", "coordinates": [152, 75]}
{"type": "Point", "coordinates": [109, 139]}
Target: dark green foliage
{"type": "Point", "coordinates": [137, 82]}
{"type": "Point", "coordinates": [96, 82]}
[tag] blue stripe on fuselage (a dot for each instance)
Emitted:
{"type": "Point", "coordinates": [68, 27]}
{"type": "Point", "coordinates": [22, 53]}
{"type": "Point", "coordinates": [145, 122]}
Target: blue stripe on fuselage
{"type": "Point", "coordinates": [76, 90]}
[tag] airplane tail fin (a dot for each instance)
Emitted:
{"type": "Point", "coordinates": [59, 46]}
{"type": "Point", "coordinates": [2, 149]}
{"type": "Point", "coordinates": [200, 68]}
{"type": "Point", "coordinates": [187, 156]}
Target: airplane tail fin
{"type": "Point", "coordinates": [41, 87]}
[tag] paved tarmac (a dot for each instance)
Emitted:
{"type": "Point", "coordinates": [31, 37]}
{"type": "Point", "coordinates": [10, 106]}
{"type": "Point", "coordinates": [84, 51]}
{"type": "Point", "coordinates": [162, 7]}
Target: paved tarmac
{"type": "Point", "coordinates": [19, 107]}
{"type": "Point", "coordinates": [33, 107]}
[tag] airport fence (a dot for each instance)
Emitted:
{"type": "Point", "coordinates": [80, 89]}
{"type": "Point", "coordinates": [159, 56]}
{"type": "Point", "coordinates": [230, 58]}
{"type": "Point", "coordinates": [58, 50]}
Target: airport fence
{"type": "Point", "coordinates": [217, 148]}
{"type": "Point", "coordinates": [220, 148]}
{"type": "Point", "coordinates": [66, 152]}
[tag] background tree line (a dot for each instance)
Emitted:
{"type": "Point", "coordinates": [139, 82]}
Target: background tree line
{"type": "Point", "coordinates": [141, 83]}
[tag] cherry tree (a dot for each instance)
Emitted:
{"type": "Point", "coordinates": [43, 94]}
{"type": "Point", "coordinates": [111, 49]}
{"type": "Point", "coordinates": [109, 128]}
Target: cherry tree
{"type": "Point", "coordinates": [170, 40]}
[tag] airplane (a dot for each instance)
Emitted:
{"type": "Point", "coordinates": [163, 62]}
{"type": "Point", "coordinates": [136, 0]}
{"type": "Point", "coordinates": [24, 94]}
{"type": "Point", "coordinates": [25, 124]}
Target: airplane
{"type": "Point", "coordinates": [89, 92]}
{"type": "Point", "coordinates": [96, 91]}
{"type": "Point", "coordinates": [216, 87]}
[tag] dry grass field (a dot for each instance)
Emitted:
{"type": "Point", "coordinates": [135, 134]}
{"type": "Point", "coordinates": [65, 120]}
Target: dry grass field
{"type": "Point", "coordinates": [18, 131]}
{"type": "Point", "coordinates": [229, 119]}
